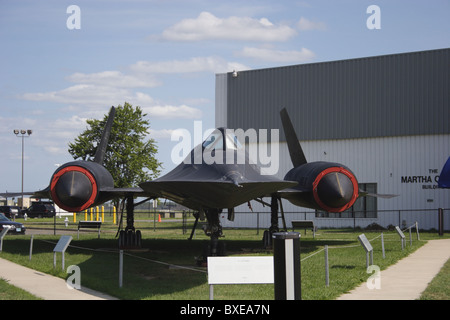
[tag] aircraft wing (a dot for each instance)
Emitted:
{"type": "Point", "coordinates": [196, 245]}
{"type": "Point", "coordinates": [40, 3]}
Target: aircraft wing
{"type": "Point", "coordinates": [363, 193]}
{"type": "Point", "coordinates": [213, 194]}
{"type": "Point", "coordinates": [15, 194]}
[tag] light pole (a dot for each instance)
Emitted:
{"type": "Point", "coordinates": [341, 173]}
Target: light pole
{"type": "Point", "coordinates": [22, 134]}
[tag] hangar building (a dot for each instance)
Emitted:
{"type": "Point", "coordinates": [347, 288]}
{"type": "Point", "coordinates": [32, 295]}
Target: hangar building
{"type": "Point", "coordinates": [385, 117]}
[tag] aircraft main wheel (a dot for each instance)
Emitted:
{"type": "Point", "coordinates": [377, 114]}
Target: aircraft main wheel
{"type": "Point", "coordinates": [121, 239]}
{"type": "Point", "coordinates": [130, 239]}
{"type": "Point", "coordinates": [138, 239]}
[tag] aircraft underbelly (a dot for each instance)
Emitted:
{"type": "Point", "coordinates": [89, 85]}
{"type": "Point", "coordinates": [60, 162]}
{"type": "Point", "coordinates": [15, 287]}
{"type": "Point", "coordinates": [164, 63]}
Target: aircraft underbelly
{"type": "Point", "coordinates": [202, 195]}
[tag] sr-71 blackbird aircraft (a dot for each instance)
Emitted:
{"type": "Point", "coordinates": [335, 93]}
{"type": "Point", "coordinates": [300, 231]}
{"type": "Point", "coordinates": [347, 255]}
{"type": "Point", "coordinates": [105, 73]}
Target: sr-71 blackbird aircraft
{"type": "Point", "coordinates": [207, 188]}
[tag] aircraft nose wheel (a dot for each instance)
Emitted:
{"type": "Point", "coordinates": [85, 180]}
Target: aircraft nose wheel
{"type": "Point", "coordinates": [130, 239]}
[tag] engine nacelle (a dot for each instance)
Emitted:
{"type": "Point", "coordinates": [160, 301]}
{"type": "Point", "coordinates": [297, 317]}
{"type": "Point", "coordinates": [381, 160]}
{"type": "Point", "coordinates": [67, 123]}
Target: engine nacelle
{"type": "Point", "coordinates": [75, 186]}
{"type": "Point", "coordinates": [324, 186]}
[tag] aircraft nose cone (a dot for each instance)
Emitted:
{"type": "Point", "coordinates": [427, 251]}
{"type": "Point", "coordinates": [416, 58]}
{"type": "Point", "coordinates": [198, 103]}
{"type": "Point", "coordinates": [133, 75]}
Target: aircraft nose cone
{"type": "Point", "coordinates": [335, 189]}
{"type": "Point", "coordinates": [73, 189]}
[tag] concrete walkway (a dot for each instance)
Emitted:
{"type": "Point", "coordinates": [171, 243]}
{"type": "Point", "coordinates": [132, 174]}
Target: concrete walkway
{"type": "Point", "coordinates": [409, 277]}
{"type": "Point", "coordinates": [43, 285]}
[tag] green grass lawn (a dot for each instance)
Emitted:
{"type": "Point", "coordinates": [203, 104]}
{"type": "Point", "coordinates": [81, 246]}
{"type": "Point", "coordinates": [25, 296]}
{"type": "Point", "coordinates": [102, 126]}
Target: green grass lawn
{"type": "Point", "coordinates": [439, 288]}
{"type": "Point", "coordinates": [147, 274]}
{"type": "Point", "coordinates": [9, 292]}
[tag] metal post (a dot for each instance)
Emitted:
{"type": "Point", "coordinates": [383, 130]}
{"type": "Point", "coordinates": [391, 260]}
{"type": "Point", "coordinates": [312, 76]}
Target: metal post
{"type": "Point", "coordinates": [120, 268]}
{"type": "Point", "coordinates": [441, 221]}
{"type": "Point", "coordinates": [410, 238]}
{"type": "Point", "coordinates": [2, 235]}
{"type": "Point", "coordinates": [417, 230]}
{"type": "Point", "coordinates": [327, 272]}
{"type": "Point", "coordinates": [286, 259]}
{"type": "Point", "coordinates": [382, 245]}
{"type": "Point", "coordinates": [211, 292]}
{"type": "Point", "coordinates": [31, 246]}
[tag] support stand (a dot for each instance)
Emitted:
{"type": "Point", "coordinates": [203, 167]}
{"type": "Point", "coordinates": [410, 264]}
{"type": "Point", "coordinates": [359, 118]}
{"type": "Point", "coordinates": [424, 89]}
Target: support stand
{"type": "Point", "coordinates": [286, 258]}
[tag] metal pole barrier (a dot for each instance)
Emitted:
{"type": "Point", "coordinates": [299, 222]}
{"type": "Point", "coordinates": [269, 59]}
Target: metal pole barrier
{"type": "Point", "coordinates": [31, 246]}
{"type": "Point", "coordinates": [211, 292]}
{"type": "Point", "coordinates": [327, 272]}
{"type": "Point", "coordinates": [120, 268]}
{"type": "Point", "coordinates": [382, 245]}
{"type": "Point", "coordinates": [417, 230]}
{"type": "Point", "coordinates": [410, 238]}
{"type": "Point", "coordinates": [441, 221]}
{"type": "Point", "coordinates": [286, 260]}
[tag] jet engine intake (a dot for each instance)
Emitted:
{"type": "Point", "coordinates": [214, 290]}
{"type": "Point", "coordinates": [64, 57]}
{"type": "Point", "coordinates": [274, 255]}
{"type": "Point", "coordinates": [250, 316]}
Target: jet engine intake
{"type": "Point", "coordinates": [324, 186]}
{"type": "Point", "coordinates": [75, 186]}
{"type": "Point", "coordinates": [335, 189]}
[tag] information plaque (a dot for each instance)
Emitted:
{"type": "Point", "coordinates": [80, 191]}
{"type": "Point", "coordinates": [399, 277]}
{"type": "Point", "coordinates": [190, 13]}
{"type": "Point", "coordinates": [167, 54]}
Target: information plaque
{"type": "Point", "coordinates": [61, 246]}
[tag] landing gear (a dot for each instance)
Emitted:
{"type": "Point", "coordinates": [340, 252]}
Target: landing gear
{"type": "Point", "coordinates": [267, 237]}
{"type": "Point", "coordinates": [129, 238]}
{"type": "Point", "coordinates": [213, 230]}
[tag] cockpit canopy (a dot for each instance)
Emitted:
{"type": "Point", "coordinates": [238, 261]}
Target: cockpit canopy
{"type": "Point", "coordinates": [222, 139]}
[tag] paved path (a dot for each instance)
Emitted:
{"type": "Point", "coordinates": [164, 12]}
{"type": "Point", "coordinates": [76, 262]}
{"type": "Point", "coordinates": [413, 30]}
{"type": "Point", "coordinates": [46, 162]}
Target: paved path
{"type": "Point", "coordinates": [43, 285]}
{"type": "Point", "coordinates": [409, 277]}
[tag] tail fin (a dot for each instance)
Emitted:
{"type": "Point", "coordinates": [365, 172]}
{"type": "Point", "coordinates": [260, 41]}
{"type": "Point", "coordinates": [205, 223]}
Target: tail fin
{"type": "Point", "coordinates": [295, 149]}
{"type": "Point", "coordinates": [101, 148]}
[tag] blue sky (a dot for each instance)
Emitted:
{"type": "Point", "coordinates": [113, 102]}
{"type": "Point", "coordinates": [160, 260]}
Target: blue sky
{"type": "Point", "coordinates": [163, 56]}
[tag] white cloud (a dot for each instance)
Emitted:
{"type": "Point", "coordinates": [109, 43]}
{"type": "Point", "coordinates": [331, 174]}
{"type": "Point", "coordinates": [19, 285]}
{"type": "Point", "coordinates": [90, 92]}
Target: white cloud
{"type": "Point", "coordinates": [305, 25]}
{"type": "Point", "coordinates": [209, 27]}
{"type": "Point", "coordinates": [268, 54]}
{"type": "Point", "coordinates": [114, 79]}
{"type": "Point", "coordinates": [97, 97]}
{"type": "Point", "coordinates": [168, 111]}
{"type": "Point", "coordinates": [87, 94]}
{"type": "Point", "coordinates": [195, 64]}
{"type": "Point", "coordinates": [160, 134]}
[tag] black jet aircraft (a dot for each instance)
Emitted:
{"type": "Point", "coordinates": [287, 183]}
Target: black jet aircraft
{"type": "Point", "coordinates": [206, 186]}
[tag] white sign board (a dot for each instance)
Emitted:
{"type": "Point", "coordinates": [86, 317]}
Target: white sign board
{"type": "Point", "coordinates": [240, 270]}
{"type": "Point", "coordinates": [400, 232]}
{"type": "Point", "coordinates": [62, 244]}
{"type": "Point", "coordinates": [365, 242]}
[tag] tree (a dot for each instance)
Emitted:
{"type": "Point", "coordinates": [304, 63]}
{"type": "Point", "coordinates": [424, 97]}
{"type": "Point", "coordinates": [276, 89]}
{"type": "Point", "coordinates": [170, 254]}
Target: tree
{"type": "Point", "coordinates": [130, 155]}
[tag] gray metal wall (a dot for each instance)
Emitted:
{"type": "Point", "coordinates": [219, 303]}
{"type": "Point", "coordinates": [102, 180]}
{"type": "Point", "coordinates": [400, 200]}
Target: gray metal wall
{"type": "Point", "coordinates": [392, 95]}
{"type": "Point", "coordinates": [384, 117]}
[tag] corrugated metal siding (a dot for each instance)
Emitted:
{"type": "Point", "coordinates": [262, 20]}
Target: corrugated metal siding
{"type": "Point", "coordinates": [375, 160]}
{"type": "Point", "coordinates": [393, 95]}
{"type": "Point", "coordinates": [221, 100]}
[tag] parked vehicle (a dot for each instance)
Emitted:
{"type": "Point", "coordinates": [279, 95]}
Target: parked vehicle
{"type": "Point", "coordinates": [14, 227]}
{"type": "Point", "coordinates": [11, 211]}
{"type": "Point", "coordinates": [40, 210]}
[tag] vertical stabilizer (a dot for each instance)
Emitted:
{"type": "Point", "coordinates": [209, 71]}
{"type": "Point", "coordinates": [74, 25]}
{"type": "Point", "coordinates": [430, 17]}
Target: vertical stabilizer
{"type": "Point", "coordinates": [101, 148]}
{"type": "Point", "coordinates": [295, 150]}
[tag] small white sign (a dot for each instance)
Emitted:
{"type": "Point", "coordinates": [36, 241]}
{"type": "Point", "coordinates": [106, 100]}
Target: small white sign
{"type": "Point", "coordinates": [62, 244]}
{"type": "Point", "coordinates": [400, 232]}
{"type": "Point", "coordinates": [365, 242]}
{"type": "Point", "coordinates": [240, 270]}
